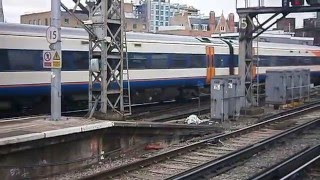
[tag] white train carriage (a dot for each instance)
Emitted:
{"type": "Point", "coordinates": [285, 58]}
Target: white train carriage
{"type": "Point", "coordinates": [162, 67]}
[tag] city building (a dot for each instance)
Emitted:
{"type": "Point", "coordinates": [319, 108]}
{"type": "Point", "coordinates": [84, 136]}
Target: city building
{"type": "Point", "coordinates": [185, 24]}
{"type": "Point", "coordinates": [311, 28]}
{"type": "Point", "coordinates": [287, 24]}
{"type": "Point", "coordinates": [158, 14]}
{"type": "Point", "coordinates": [44, 18]}
{"type": "Point", "coordinates": [134, 21]}
{"type": "Point", "coordinates": [136, 18]}
{"type": "Point", "coordinates": [311, 23]}
{"type": "Point", "coordinates": [183, 8]}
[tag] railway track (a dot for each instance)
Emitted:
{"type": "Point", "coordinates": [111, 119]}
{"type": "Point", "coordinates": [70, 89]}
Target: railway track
{"type": "Point", "coordinates": [300, 165]}
{"type": "Point", "coordinates": [170, 110]}
{"type": "Point", "coordinates": [247, 162]}
{"type": "Point", "coordinates": [181, 161]}
{"type": "Point", "coordinates": [153, 112]}
{"type": "Point", "coordinates": [309, 170]}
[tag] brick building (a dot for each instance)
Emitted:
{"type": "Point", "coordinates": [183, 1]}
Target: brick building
{"type": "Point", "coordinates": [132, 22]}
{"type": "Point", "coordinates": [44, 18]}
{"type": "Point", "coordinates": [311, 28]}
{"type": "Point", "coordinates": [184, 24]}
{"type": "Point", "coordinates": [287, 24]}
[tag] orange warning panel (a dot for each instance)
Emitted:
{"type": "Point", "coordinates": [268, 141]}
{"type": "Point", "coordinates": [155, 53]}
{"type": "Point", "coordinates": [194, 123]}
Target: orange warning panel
{"type": "Point", "coordinates": [316, 53]}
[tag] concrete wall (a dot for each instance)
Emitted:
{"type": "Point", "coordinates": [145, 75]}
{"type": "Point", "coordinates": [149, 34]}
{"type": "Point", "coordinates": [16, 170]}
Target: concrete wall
{"type": "Point", "coordinates": [43, 157]}
{"type": "Point", "coordinates": [53, 159]}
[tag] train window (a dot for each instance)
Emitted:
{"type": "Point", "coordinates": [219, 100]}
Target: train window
{"type": "Point", "coordinates": [179, 61]}
{"type": "Point", "coordinates": [24, 60]}
{"type": "Point", "coordinates": [197, 61]}
{"type": "Point", "coordinates": [137, 61]}
{"type": "Point", "coordinates": [4, 62]}
{"type": "Point", "coordinates": [81, 60]}
{"type": "Point", "coordinates": [159, 61]}
{"type": "Point", "coordinates": [75, 60]}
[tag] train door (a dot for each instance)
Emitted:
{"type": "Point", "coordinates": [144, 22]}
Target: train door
{"type": "Point", "coordinates": [210, 64]}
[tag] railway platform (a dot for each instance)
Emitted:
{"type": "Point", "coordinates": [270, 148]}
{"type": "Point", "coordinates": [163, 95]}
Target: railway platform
{"type": "Point", "coordinates": [36, 147]}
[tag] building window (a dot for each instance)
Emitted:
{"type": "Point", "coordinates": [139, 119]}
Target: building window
{"type": "Point", "coordinates": [157, 12]}
{"type": "Point", "coordinates": [157, 23]}
{"type": "Point", "coordinates": [39, 21]}
{"type": "Point", "coordinates": [167, 13]}
{"type": "Point", "coordinates": [161, 18]}
{"type": "Point", "coordinates": [222, 29]}
{"type": "Point", "coordinates": [161, 23]}
{"type": "Point", "coordinates": [46, 22]}
{"type": "Point", "coordinates": [167, 18]}
{"type": "Point", "coordinates": [161, 13]}
{"type": "Point", "coordinates": [195, 27]}
{"type": "Point", "coordinates": [205, 27]}
{"type": "Point", "coordinates": [157, 6]}
{"type": "Point", "coordinates": [157, 28]}
{"type": "Point", "coordinates": [167, 23]}
{"type": "Point", "coordinates": [66, 21]}
{"type": "Point", "coordinates": [134, 26]}
{"type": "Point", "coordinates": [34, 22]}
{"type": "Point", "coordinates": [152, 11]}
{"type": "Point", "coordinates": [157, 17]}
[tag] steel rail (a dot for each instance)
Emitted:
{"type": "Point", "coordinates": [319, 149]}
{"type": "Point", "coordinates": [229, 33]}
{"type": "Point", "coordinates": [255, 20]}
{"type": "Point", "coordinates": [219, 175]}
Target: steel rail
{"type": "Point", "coordinates": [294, 173]}
{"type": "Point", "coordinates": [224, 163]}
{"type": "Point", "coordinates": [142, 163]}
{"type": "Point", "coordinates": [296, 163]}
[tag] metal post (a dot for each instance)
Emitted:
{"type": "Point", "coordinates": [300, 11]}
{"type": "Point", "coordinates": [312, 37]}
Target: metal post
{"type": "Point", "coordinates": [1, 12]}
{"type": "Point", "coordinates": [56, 72]}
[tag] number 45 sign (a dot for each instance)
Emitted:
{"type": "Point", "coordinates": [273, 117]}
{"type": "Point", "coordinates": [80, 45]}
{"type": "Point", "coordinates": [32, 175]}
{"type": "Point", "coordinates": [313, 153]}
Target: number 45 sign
{"type": "Point", "coordinates": [52, 34]}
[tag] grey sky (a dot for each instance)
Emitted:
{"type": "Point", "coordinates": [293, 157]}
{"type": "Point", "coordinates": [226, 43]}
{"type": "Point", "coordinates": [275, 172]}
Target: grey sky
{"type": "Point", "coordinates": [14, 8]}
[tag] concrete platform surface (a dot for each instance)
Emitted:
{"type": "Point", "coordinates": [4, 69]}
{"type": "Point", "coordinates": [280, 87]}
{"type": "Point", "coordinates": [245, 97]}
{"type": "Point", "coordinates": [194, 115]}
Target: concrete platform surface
{"type": "Point", "coordinates": [35, 128]}
{"type": "Point", "coordinates": [28, 129]}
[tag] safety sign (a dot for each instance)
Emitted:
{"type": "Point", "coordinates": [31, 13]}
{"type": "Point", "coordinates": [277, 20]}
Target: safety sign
{"type": "Point", "coordinates": [52, 59]}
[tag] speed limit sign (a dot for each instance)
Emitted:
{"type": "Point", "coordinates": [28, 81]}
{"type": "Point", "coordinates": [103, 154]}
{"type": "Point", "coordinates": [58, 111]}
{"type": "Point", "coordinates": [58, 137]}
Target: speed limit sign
{"type": "Point", "coordinates": [52, 34]}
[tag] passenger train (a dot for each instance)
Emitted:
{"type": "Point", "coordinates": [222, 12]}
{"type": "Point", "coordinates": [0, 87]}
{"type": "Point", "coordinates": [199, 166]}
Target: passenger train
{"type": "Point", "coordinates": [162, 67]}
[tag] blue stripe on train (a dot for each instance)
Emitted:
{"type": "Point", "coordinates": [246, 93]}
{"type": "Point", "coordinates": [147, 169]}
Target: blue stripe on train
{"type": "Point", "coordinates": [83, 88]}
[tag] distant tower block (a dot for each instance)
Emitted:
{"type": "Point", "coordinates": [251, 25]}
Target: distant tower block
{"type": "Point", "coordinates": [1, 12]}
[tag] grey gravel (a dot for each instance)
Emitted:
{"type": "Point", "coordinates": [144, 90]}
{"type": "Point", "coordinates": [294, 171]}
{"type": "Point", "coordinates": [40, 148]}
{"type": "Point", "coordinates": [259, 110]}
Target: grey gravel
{"type": "Point", "coordinates": [274, 155]}
{"type": "Point", "coordinates": [105, 165]}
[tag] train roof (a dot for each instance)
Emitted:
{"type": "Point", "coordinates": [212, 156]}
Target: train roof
{"type": "Point", "coordinates": [79, 33]}
{"type": "Point", "coordinates": [36, 30]}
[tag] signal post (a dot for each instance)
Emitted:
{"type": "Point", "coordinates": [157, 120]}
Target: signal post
{"type": "Point", "coordinates": [52, 59]}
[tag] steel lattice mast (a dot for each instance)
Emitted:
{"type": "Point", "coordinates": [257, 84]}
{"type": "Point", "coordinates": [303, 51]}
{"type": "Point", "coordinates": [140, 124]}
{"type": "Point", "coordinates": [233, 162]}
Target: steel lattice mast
{"type": "Point", "coordinates": [1, 12]}
{"type": "Point", "coordinates": [107, 46]}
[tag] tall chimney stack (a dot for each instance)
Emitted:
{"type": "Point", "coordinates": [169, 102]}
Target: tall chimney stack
{"type": "Point", "coordinates": [1, 12]}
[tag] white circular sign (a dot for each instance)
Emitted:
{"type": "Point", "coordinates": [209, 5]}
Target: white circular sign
{"type": "Point", "coordinates": [52, 34]}
{"type": "Point", "coordinates": [47, 56]}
